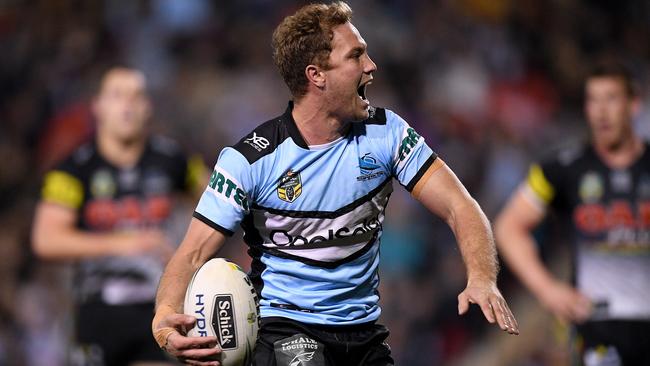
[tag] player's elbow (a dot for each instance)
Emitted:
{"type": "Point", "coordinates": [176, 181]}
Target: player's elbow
{"type": "Point", "coordinates": [42, 243]}
{"type": "Point", "coordinates": [463, 211]}
{"type": "Point", "coordinates": [509, 230]}
{"type": "Point", "coordinates": [502, 227]}
{"type": "Point", "coordinates": [40, 247]}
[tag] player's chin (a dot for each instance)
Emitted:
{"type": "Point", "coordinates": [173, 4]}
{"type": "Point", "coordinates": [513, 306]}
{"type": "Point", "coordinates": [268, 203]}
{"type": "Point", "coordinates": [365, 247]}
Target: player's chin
{"type": "Point", "coordinates": [362, 112]}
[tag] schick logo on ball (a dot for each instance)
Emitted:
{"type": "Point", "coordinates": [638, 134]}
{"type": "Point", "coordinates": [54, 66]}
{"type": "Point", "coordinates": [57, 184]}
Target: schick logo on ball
{"type": "Point", "coordinates": [223, 320]}
{"type": "Point", "coordinates": [199, 313]}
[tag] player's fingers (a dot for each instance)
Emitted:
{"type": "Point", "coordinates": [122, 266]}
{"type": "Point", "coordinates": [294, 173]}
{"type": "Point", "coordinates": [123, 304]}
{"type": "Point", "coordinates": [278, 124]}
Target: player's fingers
{"type": "Point", "coordinates": [199, 363]}
{"type": "Point", "coordinates": [178, 320]}
{"type": "Point", "coordinates": [511, 315]}
{"type": "Point", "coordinates": [499, 313]}
{"type": "Point", "coordinates": [203, 354]}
{"type": "Point", "coordinates": [181, 343]}
{"type": "Point", "coordinates": [463, 303]}
{"type": "Point", "coordinates": [509, 320]}
{"type": "Point", "coordinates": [488, 312]}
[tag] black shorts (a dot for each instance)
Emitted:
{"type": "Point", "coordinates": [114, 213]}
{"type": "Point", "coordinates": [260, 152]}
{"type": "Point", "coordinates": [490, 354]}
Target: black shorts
{"type": "Point", "coordinates": [110, 335]}
{"type": "Point", "coordinates": [283, 342]}
{"type": "Point", "coordinates": [609, 341]}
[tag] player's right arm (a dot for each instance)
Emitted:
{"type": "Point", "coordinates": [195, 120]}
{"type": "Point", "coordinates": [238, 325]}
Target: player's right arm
{"type": "Point", "coordinates": [516, 244]}
{"type": "Point", "coordinates": [56, 236]}
{"type": "Point", "coordinates": [169, 325]}
{"type": "Point", "coordinates": [218, 213]}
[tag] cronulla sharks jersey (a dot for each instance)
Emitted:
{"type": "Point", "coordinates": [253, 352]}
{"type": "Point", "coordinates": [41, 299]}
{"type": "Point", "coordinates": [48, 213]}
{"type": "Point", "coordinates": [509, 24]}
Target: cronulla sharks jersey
{"type": "Point", "coordinates": [312, 215]}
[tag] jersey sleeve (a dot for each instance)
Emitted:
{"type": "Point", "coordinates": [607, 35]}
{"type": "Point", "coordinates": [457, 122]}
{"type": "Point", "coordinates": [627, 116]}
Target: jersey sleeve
{"type": "Point", "coordinates": [63, 186]}
{"type": "Point", "coordinates": [411, 156]}
{"type": "Point", "coordinates": [543, 181]}
{"type": "Point", "coordinates": [225, 201]}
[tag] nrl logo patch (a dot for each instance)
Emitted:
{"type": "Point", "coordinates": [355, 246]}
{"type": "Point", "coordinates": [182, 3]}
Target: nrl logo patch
{"type": "Point", "coordinates": [290, 186]}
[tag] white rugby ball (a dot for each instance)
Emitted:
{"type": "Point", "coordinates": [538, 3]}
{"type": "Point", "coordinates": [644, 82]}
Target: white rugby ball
{"type": "Point", "coordinates": [223, 300]}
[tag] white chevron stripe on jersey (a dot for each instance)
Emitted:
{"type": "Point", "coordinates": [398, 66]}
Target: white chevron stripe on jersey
{"type": "Point", "coordinates": [324, 239]}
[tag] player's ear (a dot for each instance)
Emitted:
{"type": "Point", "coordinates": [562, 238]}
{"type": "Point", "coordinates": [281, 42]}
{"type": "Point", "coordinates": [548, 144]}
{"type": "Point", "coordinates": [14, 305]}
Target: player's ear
{"type": "Point", "coordinates": [315, 75]}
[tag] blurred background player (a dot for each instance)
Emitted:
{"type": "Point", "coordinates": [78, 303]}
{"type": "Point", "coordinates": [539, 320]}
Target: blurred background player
{"type": "Point", "coordinates": [105, 207]}
{"type": "Point", "coordinates": [603, 190]}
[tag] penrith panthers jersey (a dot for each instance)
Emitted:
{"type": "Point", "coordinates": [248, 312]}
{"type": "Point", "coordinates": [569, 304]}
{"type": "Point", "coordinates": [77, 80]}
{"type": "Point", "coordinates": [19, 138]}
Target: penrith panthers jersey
{"type": "Point", "coordinates": [108, 199]}
{"type": "Point", "coordinates": [609, 212]}
{"type": "Point", "coordinates": [312, 215]}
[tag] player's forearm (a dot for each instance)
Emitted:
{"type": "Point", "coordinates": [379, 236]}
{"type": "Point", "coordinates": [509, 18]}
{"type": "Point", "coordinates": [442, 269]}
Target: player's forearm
{"type": "Point", "coordinates": [474, 237]}
{"type": "Point", "coordinates": [171, 290]}
{"type": "Point", "coordinates": [518, 248]}
{"type": "Point", "coordinates": [72, 244]}
{"type": "Point", "coordinates": [199, 245]}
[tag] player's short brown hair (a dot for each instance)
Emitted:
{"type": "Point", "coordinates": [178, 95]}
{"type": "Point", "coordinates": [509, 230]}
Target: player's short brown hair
{"type": "Point", "coordinates": [615, 69]}
{"type": "Point", "coordinates": [305, 38]}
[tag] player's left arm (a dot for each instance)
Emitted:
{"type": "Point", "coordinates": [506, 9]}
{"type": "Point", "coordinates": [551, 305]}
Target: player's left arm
{"type": "Point", "coordinates": [440, 191]}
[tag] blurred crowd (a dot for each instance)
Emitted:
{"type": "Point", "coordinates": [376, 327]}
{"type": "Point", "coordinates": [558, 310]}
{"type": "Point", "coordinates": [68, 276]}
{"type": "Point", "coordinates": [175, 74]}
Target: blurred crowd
{"type": "Point", "coordinates": [491, 85]}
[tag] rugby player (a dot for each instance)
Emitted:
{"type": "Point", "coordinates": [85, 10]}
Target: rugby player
{"type": "Point", "coordinates": [602, 188]}
{"type": "Point", "coordinates": [309, 188]}
{"type": "Point", "coordinates": [106, 208]}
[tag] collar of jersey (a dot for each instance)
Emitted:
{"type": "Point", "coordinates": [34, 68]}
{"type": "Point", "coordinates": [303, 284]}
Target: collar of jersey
{"type": "Point", "coordinates": [295, 134]}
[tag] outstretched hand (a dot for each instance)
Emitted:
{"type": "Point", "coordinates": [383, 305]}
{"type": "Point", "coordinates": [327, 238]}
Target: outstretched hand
{"type": "Point", "coordinates": [487, 296]}
{"type": "Point", "coordinates": [170, 333]}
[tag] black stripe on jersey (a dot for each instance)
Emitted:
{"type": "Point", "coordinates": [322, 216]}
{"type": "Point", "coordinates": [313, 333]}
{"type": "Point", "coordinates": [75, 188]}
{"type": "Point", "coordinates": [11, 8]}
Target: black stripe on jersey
{"type": "Point", "coordinates": [409, 187]}
{"type": "Point", "coordinates": [257, 268]}
{"type": "Point", "coordinates": [326, 214]}
{"type": "Point", "coordinates": [322, 264]}
{"type": "Point", "coordinates": [377, 116]}
{"type": "Point", "coordinates": [212, 224]}
{"type": "Point", "coordinates": [252, 236]}
{"type": "Point", "coordinates": [264, 139]}
{"type": "Point", "coordinates": [292, 128]}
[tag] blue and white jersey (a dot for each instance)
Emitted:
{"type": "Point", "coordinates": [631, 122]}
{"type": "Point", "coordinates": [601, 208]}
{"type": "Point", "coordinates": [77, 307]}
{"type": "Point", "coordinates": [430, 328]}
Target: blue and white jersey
{"type": "Point", "coordinates": [312, 215]}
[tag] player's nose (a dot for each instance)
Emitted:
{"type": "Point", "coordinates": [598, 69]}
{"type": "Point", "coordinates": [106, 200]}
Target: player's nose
{"type": "Point", "coordinates": [370, 65]}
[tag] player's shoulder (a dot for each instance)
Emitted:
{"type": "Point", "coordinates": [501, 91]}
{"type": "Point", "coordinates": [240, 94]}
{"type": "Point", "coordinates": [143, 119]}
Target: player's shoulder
{"type": "Point", "coordinates": [81, 157]}
{"type": "Point", "coordinates": [165, 146]}
{"type": "Point", "coordinates": [567, 156]}
{"type": "Point", "coordinates": [263, 140]}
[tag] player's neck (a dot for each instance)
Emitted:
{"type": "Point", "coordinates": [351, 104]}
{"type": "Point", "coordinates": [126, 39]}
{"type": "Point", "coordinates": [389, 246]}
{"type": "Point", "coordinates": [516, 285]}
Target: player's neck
{"type": "Point", "coordinates": [622, 155]}
{"type": "Point", "coordinates": [120, 153]}
{"type": "Point", "coordinates": [315, 122]}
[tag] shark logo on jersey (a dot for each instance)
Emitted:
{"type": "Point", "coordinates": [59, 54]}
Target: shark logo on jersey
{"type": "Point", "coordinates": [290, 186]}
{"type": "Point", "coordinates": [369, 168]}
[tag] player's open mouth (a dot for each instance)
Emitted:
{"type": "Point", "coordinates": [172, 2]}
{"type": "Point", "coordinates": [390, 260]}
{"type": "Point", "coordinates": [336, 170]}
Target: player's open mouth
{"type": "Point", "coordinates": [362, 91]}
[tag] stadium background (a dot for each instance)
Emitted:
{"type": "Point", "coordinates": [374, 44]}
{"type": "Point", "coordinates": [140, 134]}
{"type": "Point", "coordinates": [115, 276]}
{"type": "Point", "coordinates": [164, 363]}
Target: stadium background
{"type": "Point", "coordinates": [491, 85]}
